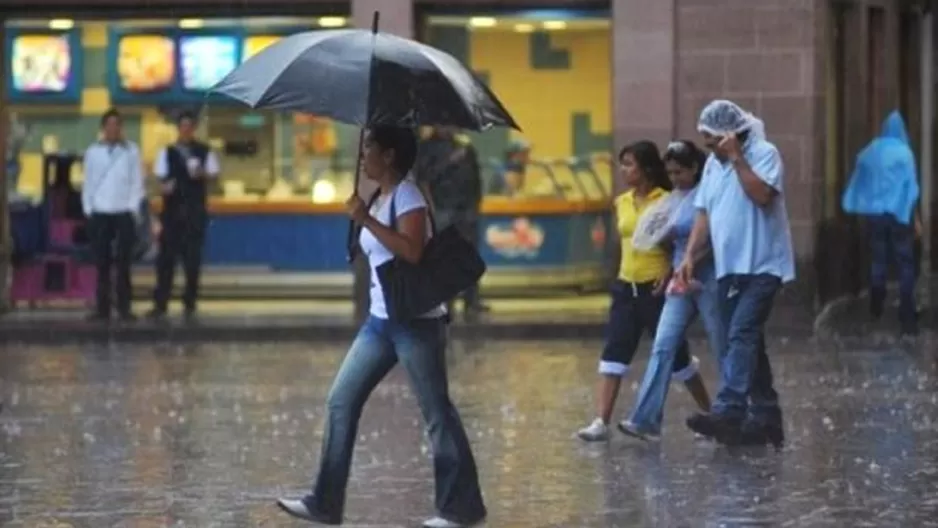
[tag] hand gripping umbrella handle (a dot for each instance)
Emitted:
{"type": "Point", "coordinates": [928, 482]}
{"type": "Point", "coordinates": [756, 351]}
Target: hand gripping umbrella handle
{"type": "Point", "coordinates": [351, 242]}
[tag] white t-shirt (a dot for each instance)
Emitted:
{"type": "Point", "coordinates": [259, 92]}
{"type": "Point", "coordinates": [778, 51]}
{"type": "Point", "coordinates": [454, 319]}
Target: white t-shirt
{"type": "Point", "coordinates": [407, 197]}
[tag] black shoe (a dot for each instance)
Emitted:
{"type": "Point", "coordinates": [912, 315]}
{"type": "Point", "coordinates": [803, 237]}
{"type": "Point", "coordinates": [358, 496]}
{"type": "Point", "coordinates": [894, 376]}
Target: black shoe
{"type": "Point", "coordinates": [473, 313]}
{"type": "Point", "coordinates": [298, 508]}
{"type": "Point", "coordinates": [98, 317]}
{"type": "Point", "coordinates": [156, 315]}
{"type": "Point", "coordinates": [478, 308]}
{"type": "Point", "coordinates": [753, 433]}
{"type": "Point", "coordinates": [471, 316]}
{"type": "Point", "coordinates": [909, 329]}
{"type": "Point", "coordinates": [877, 302]}
{"type": "Point", "coordinates": [723, 429]}
{"type": "Point", "coordinates": [189, 315]}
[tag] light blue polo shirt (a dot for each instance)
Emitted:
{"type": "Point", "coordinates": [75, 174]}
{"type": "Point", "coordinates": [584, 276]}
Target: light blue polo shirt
{"type": "Point", "coordinates": [747, 239]}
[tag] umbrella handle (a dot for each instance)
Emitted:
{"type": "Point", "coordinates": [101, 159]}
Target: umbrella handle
{"type": "Point", "coordinates": [351, 243]}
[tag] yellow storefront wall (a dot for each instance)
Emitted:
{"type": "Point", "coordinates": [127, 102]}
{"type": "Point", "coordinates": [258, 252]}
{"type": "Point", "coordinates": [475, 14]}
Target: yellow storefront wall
{"type": "Point", "coordinates": [544, 100]}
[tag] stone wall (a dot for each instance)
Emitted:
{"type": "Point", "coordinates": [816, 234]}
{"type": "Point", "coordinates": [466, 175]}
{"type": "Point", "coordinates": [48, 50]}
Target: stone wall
{"type": "Point", "coordinates": [768, 57]}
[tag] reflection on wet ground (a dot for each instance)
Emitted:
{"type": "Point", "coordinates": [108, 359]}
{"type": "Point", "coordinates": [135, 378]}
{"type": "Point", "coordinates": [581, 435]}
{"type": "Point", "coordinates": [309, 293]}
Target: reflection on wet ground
{"type": "Point", "coordinates": [207, 436]}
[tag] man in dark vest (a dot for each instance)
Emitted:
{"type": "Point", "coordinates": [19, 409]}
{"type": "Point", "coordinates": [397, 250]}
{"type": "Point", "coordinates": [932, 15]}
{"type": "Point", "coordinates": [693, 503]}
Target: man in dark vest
{"type": "Point", "coordinates": [185, 170]}
{"type": "Point", "coordinates": [448, 169]}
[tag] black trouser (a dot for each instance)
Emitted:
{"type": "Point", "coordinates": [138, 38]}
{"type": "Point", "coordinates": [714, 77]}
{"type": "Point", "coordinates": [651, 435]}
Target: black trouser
{"type": "Point", "coordinates": [107, 231]}
{"type": "Point", "coordinates": [634, 310]}
{"type": "Point", "coordinates": [893, 242]}
{"type": "Point", "coordinates": [469, 229]}
{"type": "Point", "coordinates": [179, 240]}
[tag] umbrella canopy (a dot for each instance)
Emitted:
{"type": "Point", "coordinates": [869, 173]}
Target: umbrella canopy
{"type": "Point", "coordinates": [363, 78]}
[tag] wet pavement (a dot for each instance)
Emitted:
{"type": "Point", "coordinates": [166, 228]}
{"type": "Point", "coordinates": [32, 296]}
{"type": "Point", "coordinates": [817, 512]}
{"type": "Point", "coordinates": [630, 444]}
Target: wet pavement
{"type": "Point", "coordinates": [208, 435]}
{"type": "Point", "coordinates": [577, 317]}
{"type": "Point", "coordinates": [849, 316]}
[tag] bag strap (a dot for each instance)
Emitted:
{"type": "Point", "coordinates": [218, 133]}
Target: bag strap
{"type": "Point", "coordinates": [107, 172]}
{"type": "Point", "coordinates": [393, 219]}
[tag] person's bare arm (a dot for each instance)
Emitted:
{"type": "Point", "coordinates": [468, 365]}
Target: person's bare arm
{"type": "Point", "coordinates": [755, 187]}
{"type": "Point", "coordinates": [409, 239]}
{"type": "Point", "coordinates": [762, 179]}
{"type": "Point", "coordinates": [698, 236]}
{"type": "Point", "coordinates": [161, 171]}
{"type": "Point", "coordinates": [701, 253]}
{"type": "Point", "coordinates": [699, 233]}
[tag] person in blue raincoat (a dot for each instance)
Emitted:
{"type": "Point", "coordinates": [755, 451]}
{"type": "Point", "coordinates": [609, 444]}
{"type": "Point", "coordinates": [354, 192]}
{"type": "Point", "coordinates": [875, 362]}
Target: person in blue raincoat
{"type": "Point", "coordinates": [884, 189]}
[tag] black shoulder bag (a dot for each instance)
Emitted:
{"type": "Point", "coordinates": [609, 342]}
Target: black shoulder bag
{"type": "Point", "coordinates": [450, 264]}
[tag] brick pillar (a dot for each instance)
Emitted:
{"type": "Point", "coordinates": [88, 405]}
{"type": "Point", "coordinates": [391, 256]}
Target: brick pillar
{"type": "Point", "coordinates": [397, 17]}
{"type": "Point", "coordinates": [643, 60]}
{"type": "Point", "coordinates": [5, 242]}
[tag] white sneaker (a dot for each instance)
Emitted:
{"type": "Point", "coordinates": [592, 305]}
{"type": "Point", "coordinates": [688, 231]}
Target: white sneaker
{"type": "Point", "coordinates": [597, 431]}
{"type": "Point", "coordinates": [297, 508]}
{"type": "Point", "coordinates": [439, 522]}
{"type": "Point", "coordinates": [630, 429]}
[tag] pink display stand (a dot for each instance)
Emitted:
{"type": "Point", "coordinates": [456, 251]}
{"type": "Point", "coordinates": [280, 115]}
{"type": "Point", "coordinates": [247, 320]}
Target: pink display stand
{"type": "Point", "coordinates": [53, 278]}
{"type": "Point", "coordinates": [62, 232]}
{"type": "Point", "coordinates": [57, 276]}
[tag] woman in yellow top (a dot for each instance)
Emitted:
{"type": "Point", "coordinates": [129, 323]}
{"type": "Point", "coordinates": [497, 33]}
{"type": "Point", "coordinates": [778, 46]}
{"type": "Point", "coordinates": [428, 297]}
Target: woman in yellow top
{"type": "Point", "coordinates": [637, 294]}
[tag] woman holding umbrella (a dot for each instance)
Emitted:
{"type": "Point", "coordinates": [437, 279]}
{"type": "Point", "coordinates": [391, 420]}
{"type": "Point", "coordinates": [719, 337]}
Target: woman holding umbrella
{"type": "Point", "coordinates": [389, 86]}
{"type": "Point", "coordinates": [419, 345]}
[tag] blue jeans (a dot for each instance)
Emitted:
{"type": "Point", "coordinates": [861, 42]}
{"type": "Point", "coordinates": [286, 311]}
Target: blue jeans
{"type": "Point", "coordinates": [420, 347]}
{"type": "Point", "coordinates": [889, 238]}
{"type": "Point", "coordinates": [747, 391]}
{"type": "Point", "coordinates": [678, 314]}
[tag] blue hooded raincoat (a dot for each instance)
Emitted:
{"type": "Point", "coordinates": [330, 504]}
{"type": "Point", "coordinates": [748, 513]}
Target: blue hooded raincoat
{"type": "Point", "coordinates": [884, 180]}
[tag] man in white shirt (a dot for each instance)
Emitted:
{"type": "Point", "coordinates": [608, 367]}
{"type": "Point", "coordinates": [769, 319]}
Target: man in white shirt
{"type": "Point", "coordinates": [111, 197]}
{"type": "Point", "coordinates": [185, 170]}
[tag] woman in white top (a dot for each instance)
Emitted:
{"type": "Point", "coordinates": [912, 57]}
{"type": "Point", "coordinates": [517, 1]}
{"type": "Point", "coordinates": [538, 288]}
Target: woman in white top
{"type": "Point", "coordinates": [419, 346]}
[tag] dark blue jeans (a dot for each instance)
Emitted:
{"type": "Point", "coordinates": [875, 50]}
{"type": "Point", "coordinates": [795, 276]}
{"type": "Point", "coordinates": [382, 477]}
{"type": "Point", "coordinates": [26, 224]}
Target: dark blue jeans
{"type": "Point", "coordinates": [747, 391]}
{"type": "Point", "coordinates": [889, 238]}
{"type": "Point", "coordinates": [420, 347]}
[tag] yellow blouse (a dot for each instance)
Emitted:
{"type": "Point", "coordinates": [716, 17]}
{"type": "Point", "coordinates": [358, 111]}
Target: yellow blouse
{"type": "Point", "coordinates": [639, 266]}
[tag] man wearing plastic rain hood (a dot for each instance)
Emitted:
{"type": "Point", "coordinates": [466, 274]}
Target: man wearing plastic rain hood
{"type": "Point", "coordinates": [740, 206]}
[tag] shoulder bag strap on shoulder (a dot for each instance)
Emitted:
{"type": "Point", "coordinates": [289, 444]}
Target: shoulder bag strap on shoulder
{"type": "Point", "coordinates": [105, 173]}
{"type": "Point", "coordinates": [429, 209]}
{"type": "Point", "coordinates": [393, 219]}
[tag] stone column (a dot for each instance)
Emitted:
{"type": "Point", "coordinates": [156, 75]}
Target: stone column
{"type": "Point", "coordinates": [643, 65]}
{"type": "Point", "coordinates": [397, 17]}
{"type": "Point", "coordinates": [6, 248]}
{"type": "Point", "coordinates": [643, 88]}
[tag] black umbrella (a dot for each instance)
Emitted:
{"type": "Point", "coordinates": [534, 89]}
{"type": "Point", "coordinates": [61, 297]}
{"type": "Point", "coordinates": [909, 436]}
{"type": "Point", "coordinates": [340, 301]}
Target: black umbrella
{"type": "Point", "coordinates": [365, 78]}
{"type": "Point", "coordinates": [332, 73]}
